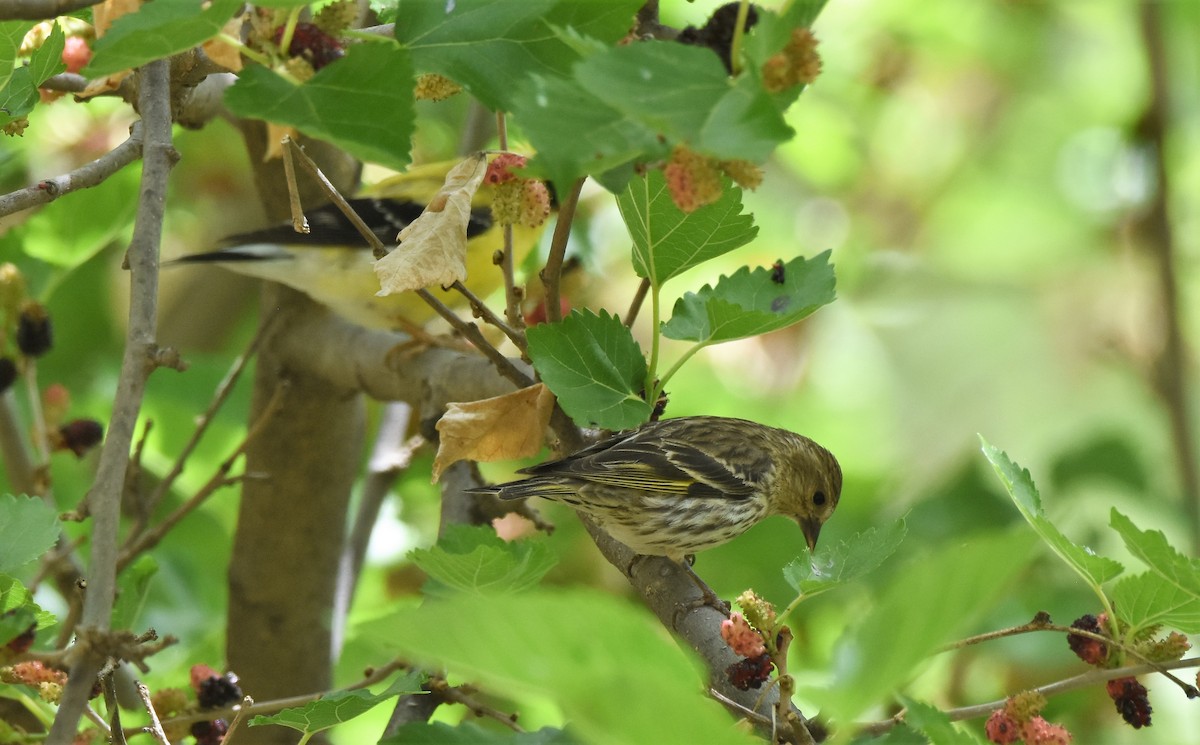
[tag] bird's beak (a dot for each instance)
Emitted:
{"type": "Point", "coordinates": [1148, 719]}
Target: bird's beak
{"type": "Point", "coordinates": [811, 529]}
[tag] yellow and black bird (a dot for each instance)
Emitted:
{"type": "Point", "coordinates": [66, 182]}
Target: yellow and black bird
{"type": "Point", "coordinates": [334, 265]}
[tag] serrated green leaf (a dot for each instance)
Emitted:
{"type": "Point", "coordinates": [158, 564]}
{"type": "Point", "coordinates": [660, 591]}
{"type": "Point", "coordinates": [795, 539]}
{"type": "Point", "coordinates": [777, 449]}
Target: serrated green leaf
{"type": "Point", "coordinates": [668, 241]}
{"type": "Point", "coordinates": [748, 303]}
{"type": "Point", "coordinates": [1096, 570]}
{"type": "Point", "coordinates": [156, 30]}
{"type": "Point", "coordinates": [18, 611]}
{"type": "Point", "coordinates": [1148, 599]}
{"type": "Point", "coordinates": [486, 46]}
{"type": "Point", "coordinates": [931, 602]}
{"type": "Point", "coordinates": [1152, 548]}
{"type": "Point", "coordinates": [28, 528]}
{"type": "Point", "coordinates": [474, 559]}
{"type": "Point", "coordinates": [665, 85]}
{"type": "Point", "coordinates": [342, 706]}
{"type": "Point", "coordinates": [46, 60]}
{"type": "Point", "coordinates": [933, 723]}
{"type": "Point", "coordinates": [15, 622]}
{"type": "Point", "coordinates": [594, 366]}
{"type": "Point", "coordinates": [132, 588]}
{"type": "Point", "coordinates": [569, 646]}
{"type": "Point", "coordinates": [11, 34]}
{"type": "Point", "coordinates": [362, 102]}
{"type": "Point", "coordinates": [844, 562]}
{"type": "Point", "coordinates": [745, 123]}
{"type": "Point", "coordinates": [635, 102]}
{"type": "Point", "coordinates": [576, 133]}
{"type": "Point", "coordinates": [467, 733]}
{"type": "Point", "coordinates": [19, 97]}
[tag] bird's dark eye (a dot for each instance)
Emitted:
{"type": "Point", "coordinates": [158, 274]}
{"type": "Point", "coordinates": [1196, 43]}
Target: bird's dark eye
{"type": "Point", "coordinates": [819, 498]}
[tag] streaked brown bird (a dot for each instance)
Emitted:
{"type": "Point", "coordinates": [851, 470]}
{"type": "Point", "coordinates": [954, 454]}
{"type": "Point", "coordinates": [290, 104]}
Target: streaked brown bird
{"type": "Point", "coordinates": [678, 486]}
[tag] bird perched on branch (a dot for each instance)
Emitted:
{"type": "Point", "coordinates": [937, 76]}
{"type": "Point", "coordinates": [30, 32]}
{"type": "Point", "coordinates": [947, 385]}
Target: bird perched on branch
{"type": "Point", "coordinates": [678, 486]}
{"type": "Point", "coordinates": [333, 263]}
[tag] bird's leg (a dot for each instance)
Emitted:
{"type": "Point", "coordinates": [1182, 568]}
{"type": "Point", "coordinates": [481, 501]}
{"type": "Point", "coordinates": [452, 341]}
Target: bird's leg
{"type": "Point", "coordinates": [709, 597]}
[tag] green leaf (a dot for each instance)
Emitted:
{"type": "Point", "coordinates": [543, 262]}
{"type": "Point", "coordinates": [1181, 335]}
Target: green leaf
{"type": "Point", "coordinates": [636, 101]}
{"type": "Point", "coordinates": [467, 733]}
{"type": "Point", "coordinates": [486, 46]}
{"type": "Point", "coordinates": [132, 588]}
{"type": "Point", "coordinates": [475, 559]}
{"type": "Point", "coordinates": [845, 562]}
{"type": "Point", "coordinates": [46, 60]}
{"type": "Point", "coordinates": [682, 93]}
{"type": "Point", "coordinates": [1149, 599]}
{"type": "Point", "coordinates": [1151, 547]}
{"type": "Point", "coordinates": [933, 601]}
{"type": "Point", "coordinates": [362, 102]}
{"type": "Point", "coordinates": [749, 303]}
{"type": "Point", "coordinates": [574, 648]}
{"type": "Point", "coordinates": [575, 133]}
{"type": "Point", "coordinates": [668, 241]}
{"type": "Point", "coordinates": [17, 98]}
{"type": "Point", "coordinates": [18, 611]}
{"type": "Point", "coordinates": [342, 706]}
{"type": "Point", "coordinates": [594, 366]}
{"type": "Point", "coordinates": [28, 528]}
{"type": "Point", "coordinates": [11, 34]}
{"type": "Point", "coordinates": [1096, 570]}
{"type": "Point", "coordinates": [158, 29]}
{"type": "Point", "coordinates": [15, 623]}
{"type": "Point", "coordinates": [933, 723]}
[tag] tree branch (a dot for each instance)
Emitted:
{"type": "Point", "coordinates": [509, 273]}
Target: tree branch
{"type": "Point", "coordinates": [41, 10]}
{"type": "Point", "coordinates": [1171, 366]}
{"type": "Point", "coordinates": [104, 497]}
{"type": "Point", "coordinates": [84, 177]}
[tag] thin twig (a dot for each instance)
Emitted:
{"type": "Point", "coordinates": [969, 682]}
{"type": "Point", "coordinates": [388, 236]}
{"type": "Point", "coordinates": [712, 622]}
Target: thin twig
{"type": "Point", "coordinates": [438, 686]}
{"type": "Point", "coordinates": [238, 718]}
{"type": "Point", "coordinates": [41, 443]}
{"type": "Point", "coordinates": [487, 315]}
{"type": "Point", "coordinates": [472, 334]}
{"type": "Point", "coordinates": [1037, 624]}
{"type": "Point", "coordinates": [278, 704]}
{"type": "Point", "coordinates": [336, 197]}
{"type": "Point", "coordinates": [552, 272]}
{"type": "Point", "coordinates": [224, 389]}
{"type": "Point", "coordinates": [218, 480]}
{"type": "Point", "coordinates": [86, 176]}
{"type": "Point", "coordinates": [1066, 685]}
{"type": "Point", "coordinates": [512, 297]}
{"type": "Point", "coordinates": [114, 711]}
{"type": "Point", "coordinates": [155, 729]}
{"type": "Point", "coordinates": [636, 305]}
{"type": "Point", "coordinates": [299, 221]}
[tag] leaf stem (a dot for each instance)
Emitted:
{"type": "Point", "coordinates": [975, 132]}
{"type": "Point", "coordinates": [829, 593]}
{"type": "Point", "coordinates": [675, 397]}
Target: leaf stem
{"type": "Point", "coordinates": [739, 31]}
{"type": "Point", "coordinates": [662, 383]}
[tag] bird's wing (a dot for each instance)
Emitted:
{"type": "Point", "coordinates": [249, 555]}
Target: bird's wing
{"type": "Point", "coordinates": [328, 226]}
{"type": "Point", "coordinates": [659, 465]}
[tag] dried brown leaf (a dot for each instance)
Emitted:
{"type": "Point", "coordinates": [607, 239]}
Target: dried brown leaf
{"type": "Point", "coordinates": [433, 248]}
{"type": "Point", "coordinates": [500, 428]}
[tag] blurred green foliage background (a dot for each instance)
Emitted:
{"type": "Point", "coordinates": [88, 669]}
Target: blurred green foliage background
{"type": "Point", "coordinates": [980, 172]}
